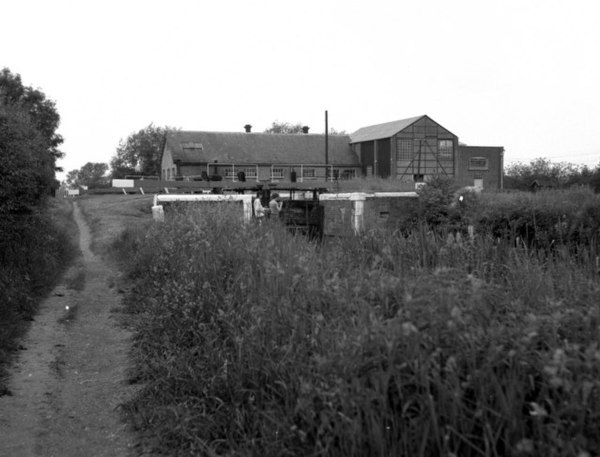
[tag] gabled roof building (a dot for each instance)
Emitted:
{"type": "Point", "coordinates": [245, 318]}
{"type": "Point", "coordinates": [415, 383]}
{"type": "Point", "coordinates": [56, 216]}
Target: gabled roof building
{"type": "Point", "coordinates": [414, 149]}
{"type": "Point", "coordinates": [410, 150]}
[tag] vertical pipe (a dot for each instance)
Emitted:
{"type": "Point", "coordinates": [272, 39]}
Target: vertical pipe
{"type": "Point", "coordinates": [326, 140]}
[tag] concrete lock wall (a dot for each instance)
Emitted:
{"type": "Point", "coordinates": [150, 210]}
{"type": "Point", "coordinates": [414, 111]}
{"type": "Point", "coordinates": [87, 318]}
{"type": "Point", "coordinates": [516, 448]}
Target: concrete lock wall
{"type": "Point", "coordinates": [354, 212]}
{"type": "Point", "coordinates": [245, 202]}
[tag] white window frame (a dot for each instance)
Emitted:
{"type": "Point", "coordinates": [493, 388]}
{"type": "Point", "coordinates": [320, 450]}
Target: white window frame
{"type": "Point", "coordinates": [309, 173]}
{"type": "Point", "coordinates": [250, 172]}
{"type": "Point", "coordinates": [277, 173]}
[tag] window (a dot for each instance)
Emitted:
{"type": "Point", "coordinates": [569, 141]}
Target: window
{"type": "Point", "coordinates": [308, 173]}
{"type": "Point", "coordinates": [478, 163]}
{"type": "Point", "coordinates": [250, 172]}
{"type": "Point", "coordinates": [276, 173]}
{"type": "Point", "coordinates": [191, 146]}
{"type": "Point", "coordinates": [349, 174]}
{"type": "Point", "coordinates": [445, 149]}
{"type": "Point", "coordinates": [229, 173]}
{"type": "Point", "coordinates": [405, 150]}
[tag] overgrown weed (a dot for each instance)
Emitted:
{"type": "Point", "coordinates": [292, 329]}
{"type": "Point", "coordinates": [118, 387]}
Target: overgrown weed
{"type": "Point", "coordinates": [252, 341]}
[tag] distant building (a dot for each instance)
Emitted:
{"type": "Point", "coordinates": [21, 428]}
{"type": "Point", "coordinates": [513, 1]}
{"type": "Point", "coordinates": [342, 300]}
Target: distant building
{"type": "Point", "coordinates": [259, 156]}
{"type": "Point", "coordinates": [415, 149]}
{"type": "Point", "coordinates": [409, 150]}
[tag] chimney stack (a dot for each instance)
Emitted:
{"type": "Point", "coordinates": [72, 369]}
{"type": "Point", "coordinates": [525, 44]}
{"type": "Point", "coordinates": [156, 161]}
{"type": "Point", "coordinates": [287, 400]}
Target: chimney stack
{"type": "Point", "coordinates": [248, 128]}
{"type": "Point", "coordinates": [305, 129]}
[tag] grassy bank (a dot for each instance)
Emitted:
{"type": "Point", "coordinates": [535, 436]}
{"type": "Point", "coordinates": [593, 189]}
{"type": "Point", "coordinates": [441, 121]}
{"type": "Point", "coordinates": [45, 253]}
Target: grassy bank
{"type": "Point", "coordinates": [35, 249]}
{"type": "Point", "coordinates": [252, 342]}
{"type": "Point", "coordinates": [109, 215]}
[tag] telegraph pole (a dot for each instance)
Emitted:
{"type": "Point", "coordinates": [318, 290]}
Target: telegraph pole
{"type": "Point", "coordinates": [326, 140]}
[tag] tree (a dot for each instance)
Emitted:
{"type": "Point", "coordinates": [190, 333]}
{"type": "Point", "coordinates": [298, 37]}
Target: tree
{"type": "Point", "coordinates": [140, 153]}
{"type": "Point", "coordinates": [335, 132]}
{"type": "Point", "coordinates": [546, 174]}
{"type": "Point", "coordinates": [42, 111]}
{"type": "Point", "coordinates": [288, 127]}
{"type": "Point", "coordinates": [28, 144]}
{"type": "Point", "coordinates": [90, 175]}
{"type": "Point", "coordinates": [26, 168]}
{"type": "Point", "coordinates": [284, 127]}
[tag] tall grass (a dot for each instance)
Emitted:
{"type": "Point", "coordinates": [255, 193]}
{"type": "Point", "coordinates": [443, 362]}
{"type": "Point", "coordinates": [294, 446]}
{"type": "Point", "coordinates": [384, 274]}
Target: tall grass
{"type": "Point", "coordinates": [35, 248]}
{"type": "Point", "coordinates": [250, 341]}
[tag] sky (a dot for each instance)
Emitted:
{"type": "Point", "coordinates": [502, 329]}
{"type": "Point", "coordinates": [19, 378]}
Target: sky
{"type": "Point", "coordinates": [522, 74]}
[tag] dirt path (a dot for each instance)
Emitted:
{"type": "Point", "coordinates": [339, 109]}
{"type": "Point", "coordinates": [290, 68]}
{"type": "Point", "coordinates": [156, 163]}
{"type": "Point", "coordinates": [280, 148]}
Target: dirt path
{"type": "Point", "coordinates": [67, 384]}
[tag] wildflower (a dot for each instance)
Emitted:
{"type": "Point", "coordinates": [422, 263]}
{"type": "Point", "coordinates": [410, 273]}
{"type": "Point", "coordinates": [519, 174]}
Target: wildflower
{"type": "Point", "coordinates": [408, 328]}
{"type": "Point", "coordinates": [537, 410]}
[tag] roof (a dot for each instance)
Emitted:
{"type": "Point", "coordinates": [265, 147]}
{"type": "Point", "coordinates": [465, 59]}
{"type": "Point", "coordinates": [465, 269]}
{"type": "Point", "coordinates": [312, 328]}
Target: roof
{"type": "Point", "coordinates": [480, 149]}
{"type": "Point", "coordinates": [238, 147]}
{"type": "Point", "coordinates": [379, 131]}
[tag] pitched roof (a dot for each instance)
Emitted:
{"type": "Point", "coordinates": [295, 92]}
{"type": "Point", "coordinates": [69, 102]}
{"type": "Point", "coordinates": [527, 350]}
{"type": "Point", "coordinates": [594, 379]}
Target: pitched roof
{"type": "Point", "coordinates": [379, 131]}
{"type": "Point", "coordinates": [237, 147]}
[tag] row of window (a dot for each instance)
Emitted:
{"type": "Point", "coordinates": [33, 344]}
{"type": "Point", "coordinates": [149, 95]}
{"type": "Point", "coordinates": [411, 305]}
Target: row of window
{"type": "Point", "coordinates": [279, 173]}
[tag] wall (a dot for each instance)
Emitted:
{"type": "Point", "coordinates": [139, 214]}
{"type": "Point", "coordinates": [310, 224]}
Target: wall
{"type": "Point", "coordinates": [167, 164]}
{"type": "Point", "coordinates": [424, 136]}
{"type": "Point", "coordinates": [492, 177]}
{"type": "Point", "coordinates": [346, 213]}
{"type": "Point", "coordinates": [387, 212]}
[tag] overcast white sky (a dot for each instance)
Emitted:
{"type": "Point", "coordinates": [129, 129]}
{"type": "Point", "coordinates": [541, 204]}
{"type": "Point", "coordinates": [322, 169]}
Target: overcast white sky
{"type": "Point", "coordinates": [523, 74]}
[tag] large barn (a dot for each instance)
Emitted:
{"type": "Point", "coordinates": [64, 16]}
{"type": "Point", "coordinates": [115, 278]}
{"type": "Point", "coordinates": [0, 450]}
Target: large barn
{"type": "Point", "coordinates": [410, 150]}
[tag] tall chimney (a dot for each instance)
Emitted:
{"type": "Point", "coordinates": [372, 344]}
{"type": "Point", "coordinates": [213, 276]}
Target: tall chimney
{"type": "Point", "coordinates": [305, 129]}
{"type": "Point", "coordinates": [248, 128]}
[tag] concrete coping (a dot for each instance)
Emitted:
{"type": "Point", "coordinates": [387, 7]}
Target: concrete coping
{"type": "Point", "coordinates": [202, 198]}
{"type": "Point", "coordinates": [357, 196]}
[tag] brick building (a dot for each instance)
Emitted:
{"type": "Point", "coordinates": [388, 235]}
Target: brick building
{"type": "Point", "coordinates": [410, 150]}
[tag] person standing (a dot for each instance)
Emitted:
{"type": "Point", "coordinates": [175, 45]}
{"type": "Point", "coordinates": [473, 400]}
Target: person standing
{"type": "Point", "coordinates": [259, 210]}
{"type": "Point", "coordinates": [275, 205]}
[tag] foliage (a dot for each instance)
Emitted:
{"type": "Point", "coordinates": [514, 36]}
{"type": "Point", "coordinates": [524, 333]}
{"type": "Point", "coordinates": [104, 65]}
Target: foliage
{"type": "Point", "coordinates": [25, 166]}
{"type": "Point", "coordinates": [548, 174]}
{"type": "Point", "coordinates": [288, 127]}
{"type": "Point", "coordinates": [284, 127]}
{"type": "Point", "coordinates": [91, 175]}
{"type": "Point", "coordinates": [253, 342]}
{"type": "Point", "coordinates": [28, 144]}
{"type": "Point", "coordinates": [42, 111]}
{"type": "Point", "coordinates": [435, 198]}
{"type": "Point", "coordinates": [140, 153]}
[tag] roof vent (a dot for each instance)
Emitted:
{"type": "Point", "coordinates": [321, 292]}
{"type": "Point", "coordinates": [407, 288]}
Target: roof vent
{"type": "Point", "coordinates": [248, 128]}
{"type": "Point", "coordinates": [305, 129]}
